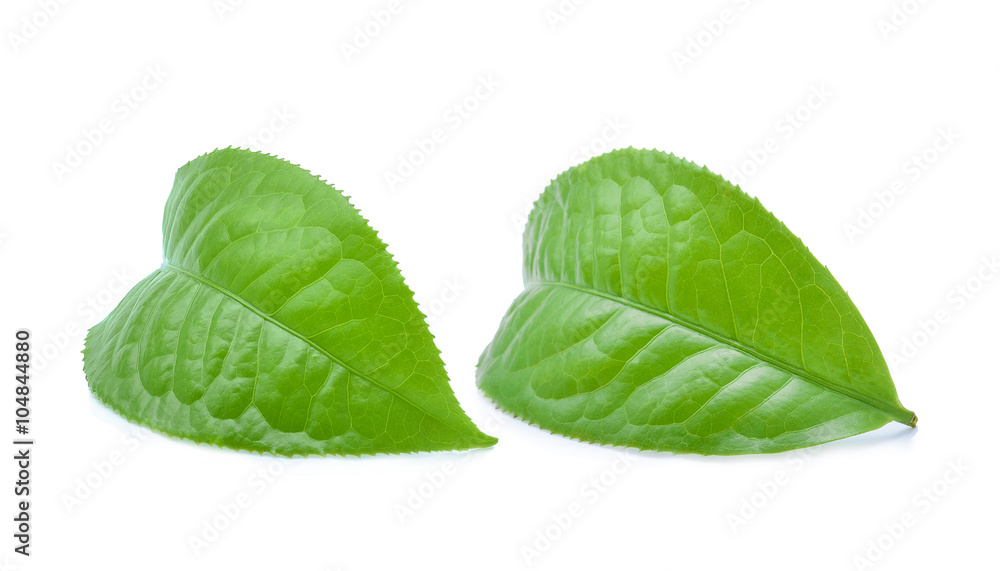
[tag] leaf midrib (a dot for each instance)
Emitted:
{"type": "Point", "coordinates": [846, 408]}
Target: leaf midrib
{"type": "Point", "coordinates": [896, 413]}
{"type": "Point", "coordinates": [209, 283]}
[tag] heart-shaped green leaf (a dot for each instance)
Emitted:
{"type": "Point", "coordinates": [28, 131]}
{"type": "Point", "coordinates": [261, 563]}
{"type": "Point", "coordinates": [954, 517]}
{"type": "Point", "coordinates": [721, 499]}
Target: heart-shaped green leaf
{"type": "Point", "coordinates": [665, 309]}
{"type": "Point", "coordinates": [277, 323]}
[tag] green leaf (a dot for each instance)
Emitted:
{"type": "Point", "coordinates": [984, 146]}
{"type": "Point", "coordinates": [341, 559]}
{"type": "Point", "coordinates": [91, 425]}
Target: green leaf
{"type": "Point", "coordinates": [278, 323]}
{"type": "Point", "coordinates": [665, 309]}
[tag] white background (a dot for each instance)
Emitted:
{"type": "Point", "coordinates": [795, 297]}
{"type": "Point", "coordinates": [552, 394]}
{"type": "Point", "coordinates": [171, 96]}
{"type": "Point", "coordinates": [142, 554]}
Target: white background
{"type": "Point", "coordinates": [70, 238]}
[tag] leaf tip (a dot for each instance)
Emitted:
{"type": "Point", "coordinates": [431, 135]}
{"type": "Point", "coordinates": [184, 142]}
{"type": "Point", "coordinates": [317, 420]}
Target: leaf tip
{"type": "Point", "coordinates": [486, 441]}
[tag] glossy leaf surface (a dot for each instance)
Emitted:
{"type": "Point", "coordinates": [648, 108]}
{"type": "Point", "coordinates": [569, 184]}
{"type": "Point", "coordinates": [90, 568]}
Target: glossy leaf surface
{"type": "Point", "coordinates": [665, 309]}
{"type": "Point", "coordinates": [277, 323]}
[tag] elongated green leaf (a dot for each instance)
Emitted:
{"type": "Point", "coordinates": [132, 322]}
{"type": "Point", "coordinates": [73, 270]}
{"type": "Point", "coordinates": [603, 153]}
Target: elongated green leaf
{"type": "Point", "coordinates": [278, 322]}
{"type": "Point", "coordinates": [665, 309]}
